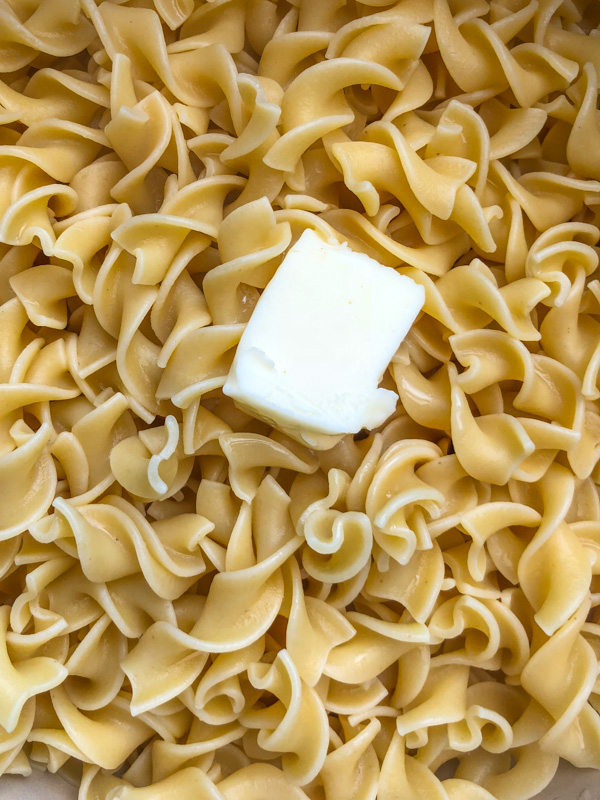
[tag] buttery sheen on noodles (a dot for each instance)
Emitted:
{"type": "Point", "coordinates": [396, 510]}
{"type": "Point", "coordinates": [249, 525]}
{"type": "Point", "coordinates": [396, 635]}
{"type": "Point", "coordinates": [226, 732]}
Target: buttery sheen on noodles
{"type": "Point", "coordinates": [193, 605]}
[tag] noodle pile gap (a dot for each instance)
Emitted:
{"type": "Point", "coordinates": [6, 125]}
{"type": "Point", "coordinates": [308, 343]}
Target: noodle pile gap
{"type": "Point", "coordinates": [319, 340]}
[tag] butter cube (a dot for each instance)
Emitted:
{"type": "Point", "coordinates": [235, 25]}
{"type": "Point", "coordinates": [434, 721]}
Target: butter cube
{"type": "Point", "coordinates": [319, 340]}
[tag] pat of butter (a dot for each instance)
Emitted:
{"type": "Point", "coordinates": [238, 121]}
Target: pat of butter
{"type": "Point", "coordinates": [319, 340]}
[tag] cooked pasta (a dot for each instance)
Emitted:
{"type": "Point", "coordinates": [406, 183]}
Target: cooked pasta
{"type": "Point", "coordinates": [195, 605]}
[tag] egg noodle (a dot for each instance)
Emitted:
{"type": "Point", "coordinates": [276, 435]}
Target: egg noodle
{"type": "Point", "coordinates": [195, 606]}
